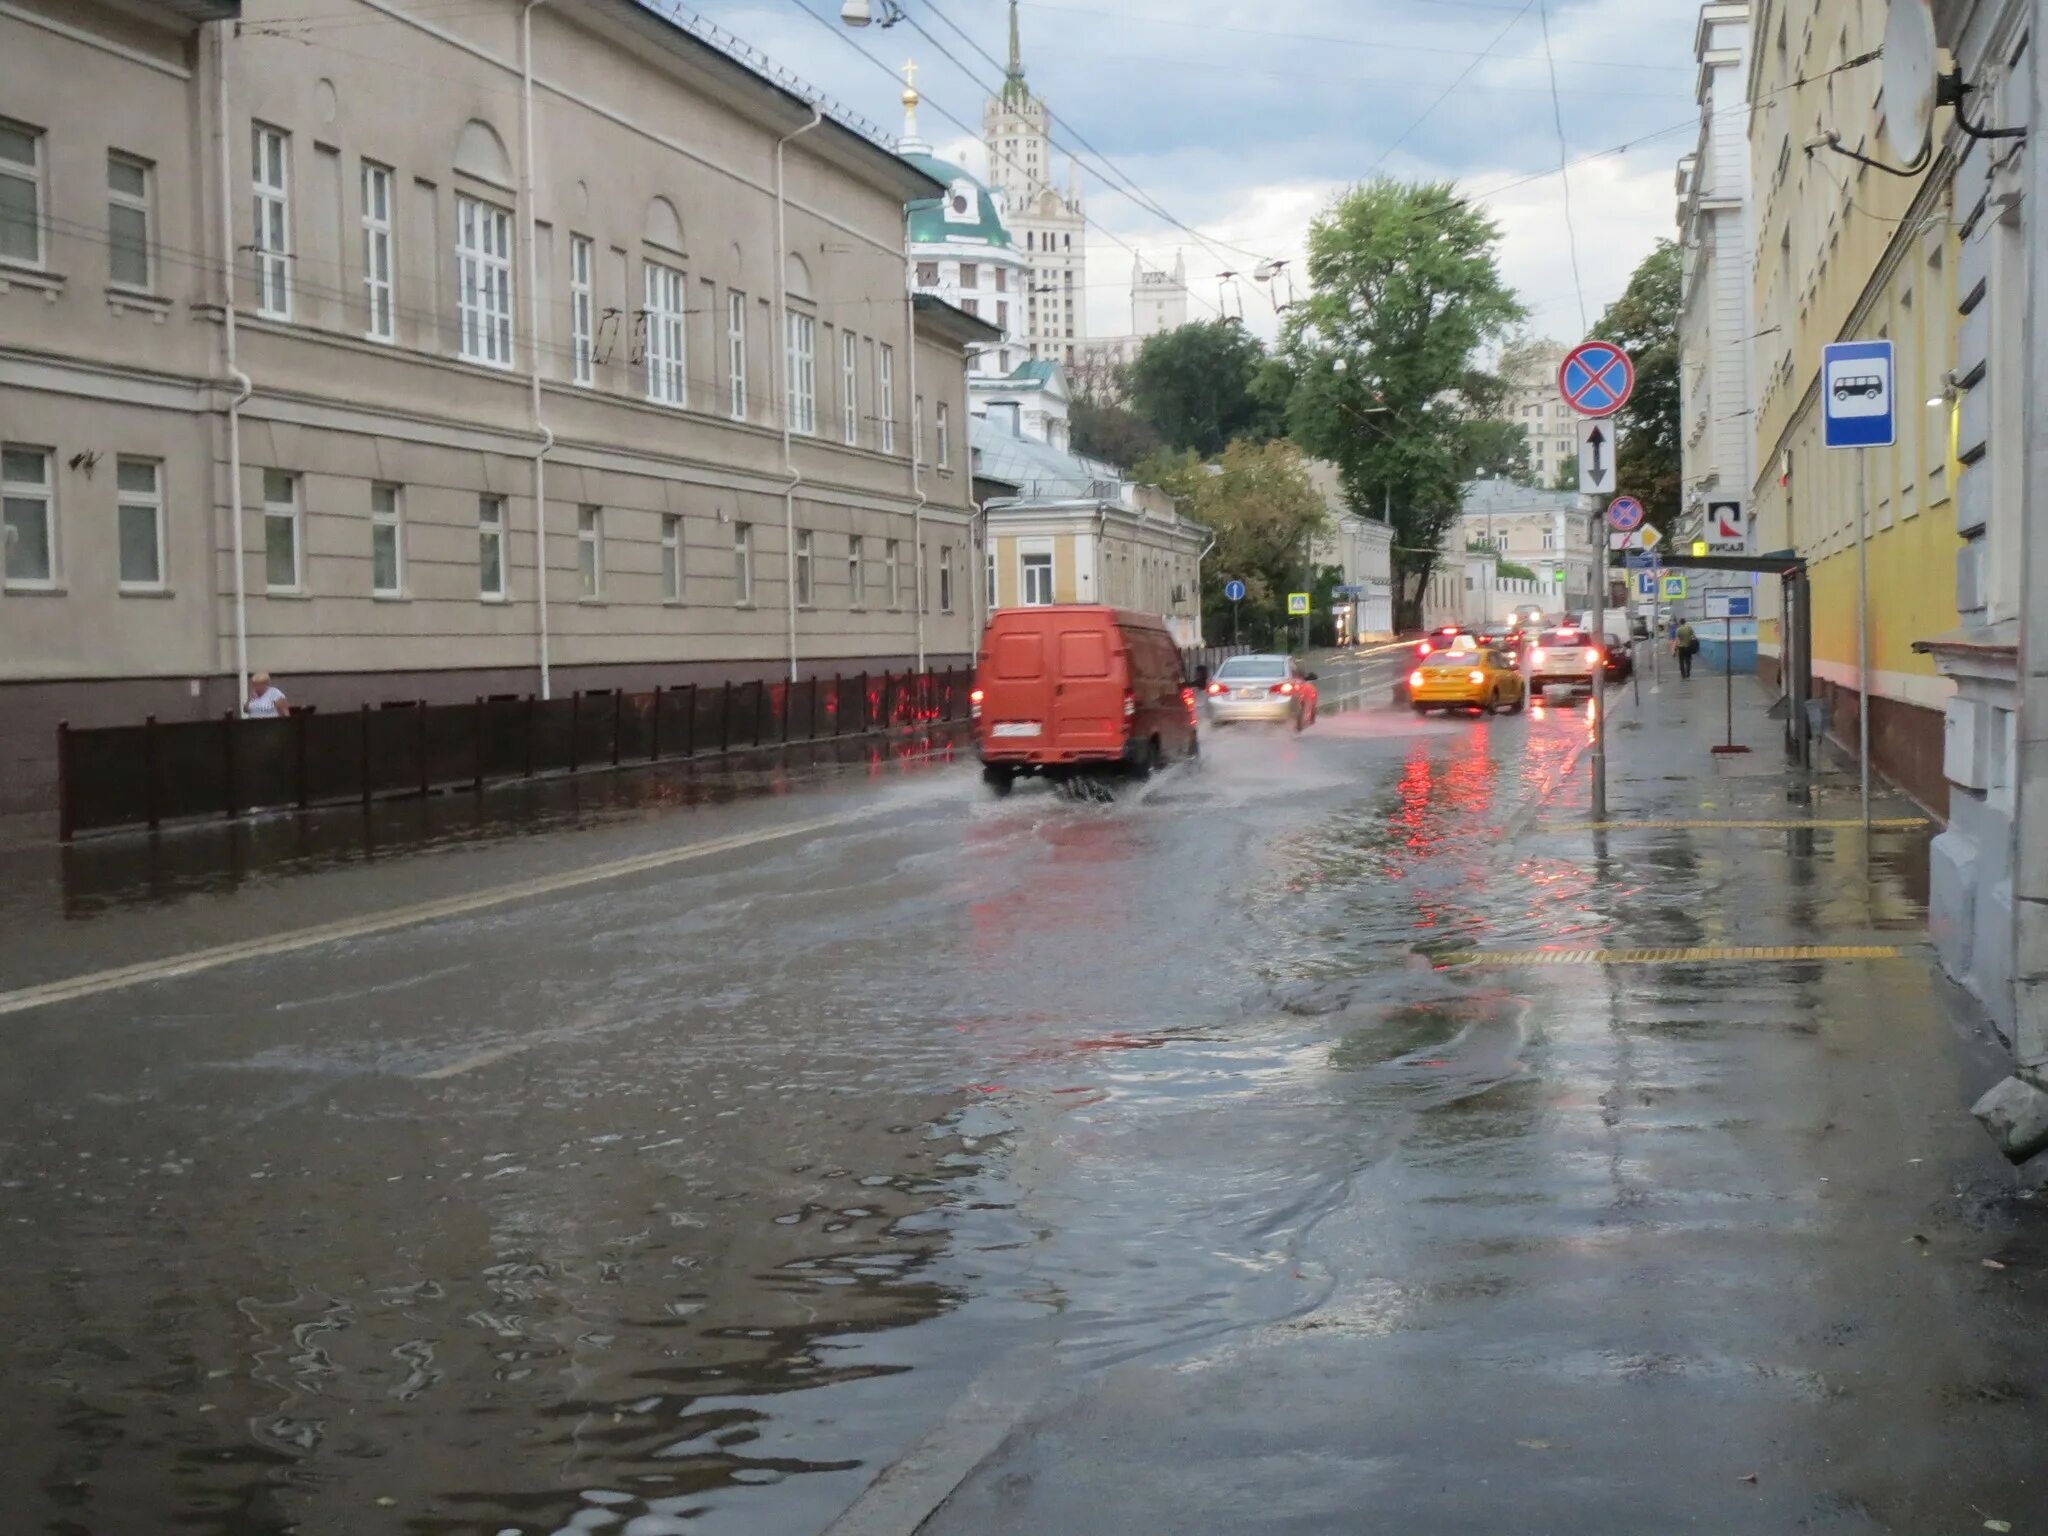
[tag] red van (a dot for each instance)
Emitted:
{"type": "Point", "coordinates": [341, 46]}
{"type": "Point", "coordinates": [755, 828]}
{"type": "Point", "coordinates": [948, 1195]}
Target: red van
{"type": "Point", "coordinates": [1062, 689]}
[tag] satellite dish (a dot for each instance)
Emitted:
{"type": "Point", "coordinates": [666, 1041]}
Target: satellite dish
{"type": "Point", "coordinates": [1912, 77]}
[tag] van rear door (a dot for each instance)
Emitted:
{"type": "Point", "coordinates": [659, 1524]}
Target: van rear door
{"type": "Point", "coordinates": [1016, 707]}
{"type": "Point", "coordinates": [1088, 688]}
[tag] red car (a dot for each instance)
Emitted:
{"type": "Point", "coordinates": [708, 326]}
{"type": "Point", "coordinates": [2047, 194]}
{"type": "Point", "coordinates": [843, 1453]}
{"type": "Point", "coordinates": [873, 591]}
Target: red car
{"type": "Point", "coordinates": [1439, 639]}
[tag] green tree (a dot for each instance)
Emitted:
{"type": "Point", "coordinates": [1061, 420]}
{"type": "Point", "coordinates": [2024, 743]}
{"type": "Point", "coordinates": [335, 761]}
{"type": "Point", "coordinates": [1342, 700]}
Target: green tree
{"type": "Point", "coordinates": [1102, 429]}
{"type": "Point", "coordinates": [1405, 292]}
{"type": "Point", "coordinates": [1644, 323]}
{"type": "Point", "coordinates": [1197, 387]}
{"type": "Point", "coordinates": [1265, 515]}
{"type": "Point", "coordinates": [1497, 448]}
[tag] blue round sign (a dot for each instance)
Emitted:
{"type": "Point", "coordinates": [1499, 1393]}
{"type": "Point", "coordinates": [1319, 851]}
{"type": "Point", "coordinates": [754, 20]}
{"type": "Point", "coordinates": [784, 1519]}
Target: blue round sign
{"type": "Point", "coordinates": [1624, 514]}
{"type": "Point", "coordinates": [1234, 590]}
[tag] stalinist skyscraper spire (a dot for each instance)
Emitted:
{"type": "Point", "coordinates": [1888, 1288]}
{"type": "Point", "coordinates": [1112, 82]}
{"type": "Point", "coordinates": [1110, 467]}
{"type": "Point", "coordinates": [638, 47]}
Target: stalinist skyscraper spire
{"type": "Point", "coordinates": [1048, 222]}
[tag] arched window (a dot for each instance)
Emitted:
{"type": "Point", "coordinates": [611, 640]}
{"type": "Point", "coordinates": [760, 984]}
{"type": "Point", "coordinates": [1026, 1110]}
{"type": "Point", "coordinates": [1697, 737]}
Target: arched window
{"type": "Point", "coordinates": [479, 152]}
{"type": "Point", "coordinates": [663, 227]}
{"type": "Point", "coordinates": [796, 276]}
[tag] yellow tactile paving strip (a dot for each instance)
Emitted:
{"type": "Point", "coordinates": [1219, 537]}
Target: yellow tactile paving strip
{"type": "Point", "coordinates": [1882, 823]}
{"type": "Point", "coordinates": [1711, 954]}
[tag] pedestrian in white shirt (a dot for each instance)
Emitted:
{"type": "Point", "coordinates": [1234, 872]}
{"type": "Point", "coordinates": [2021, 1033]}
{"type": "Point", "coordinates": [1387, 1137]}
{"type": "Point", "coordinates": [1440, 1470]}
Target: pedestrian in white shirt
{"type": "Point", "coordinates": [265, 702]}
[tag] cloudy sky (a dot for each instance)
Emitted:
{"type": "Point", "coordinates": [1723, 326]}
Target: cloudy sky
{"type": "Point", "coordinates": [1242, 117]}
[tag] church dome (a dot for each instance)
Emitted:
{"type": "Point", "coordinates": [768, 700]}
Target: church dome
{"type": "Point", "coordinates": [968, 213]}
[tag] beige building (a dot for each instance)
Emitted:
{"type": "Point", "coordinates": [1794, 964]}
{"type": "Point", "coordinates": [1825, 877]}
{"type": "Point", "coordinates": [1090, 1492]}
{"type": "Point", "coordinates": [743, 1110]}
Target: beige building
{"type": "Point", "coordinates": [602, 266]}
{"type": "Point", "coordinates": [1076, 531]}
{"type": "Point", "coordinates": [1532, 402]}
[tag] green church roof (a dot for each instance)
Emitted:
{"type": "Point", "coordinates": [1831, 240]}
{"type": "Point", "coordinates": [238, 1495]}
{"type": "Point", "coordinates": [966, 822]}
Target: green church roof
{"type": "Point", "coordinates": [932, 222]}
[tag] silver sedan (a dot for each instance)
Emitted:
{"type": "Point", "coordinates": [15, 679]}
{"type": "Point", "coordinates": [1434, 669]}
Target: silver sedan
{"type": "Point", "coordinates": [1262, 688]}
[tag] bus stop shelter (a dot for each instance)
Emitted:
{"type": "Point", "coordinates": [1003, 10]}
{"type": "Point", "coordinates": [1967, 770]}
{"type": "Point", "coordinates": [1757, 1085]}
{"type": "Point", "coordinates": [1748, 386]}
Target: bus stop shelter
{"type": "Point", "coordinates": [1795, 642]}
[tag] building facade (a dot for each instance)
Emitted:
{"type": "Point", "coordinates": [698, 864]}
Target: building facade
{"type": "Point", "coordinates": [318, 373]}
{"type": "Point", "coordinates": [961, 250]}
{"type": "Point", "coordinates": [1714, 347]}
{"type": "Point", "coordinates": [1362, 548]}
{"type": "Point", "coordinates": [1078, 531]}
{"type": "Point", "coordinates": [1842, 252]}
{"type": "Point", "coordinates": [1532, 402]}
{"type": "Point", "coordinates": [1050, 223]}
{"type": "Point", "coordinates": [1984, 408]}
{"type": "Point", "coordinates": [1159, 303]}
{"type": "Point", "coordinates": [1542, 531]}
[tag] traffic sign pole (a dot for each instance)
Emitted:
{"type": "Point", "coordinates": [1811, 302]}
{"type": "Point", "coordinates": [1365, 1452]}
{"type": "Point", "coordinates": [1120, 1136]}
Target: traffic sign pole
{"type": "Point", "coordinates": [1596, 379]}
{"type": "Point", "coordinates": [1859, 412]}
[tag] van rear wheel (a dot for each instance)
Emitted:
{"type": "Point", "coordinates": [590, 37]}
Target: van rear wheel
{"type": "Point", "coordinates": [1000, 780]}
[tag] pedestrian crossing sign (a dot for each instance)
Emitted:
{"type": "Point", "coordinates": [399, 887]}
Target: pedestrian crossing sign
{"type": "Point", "coordinates": [1674, 586]}
{"type": "Point", "coordinates": [1297, 604]}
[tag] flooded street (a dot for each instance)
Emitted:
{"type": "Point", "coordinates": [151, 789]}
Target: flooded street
{"type": "Point", "coordinates": [1161, 1164]}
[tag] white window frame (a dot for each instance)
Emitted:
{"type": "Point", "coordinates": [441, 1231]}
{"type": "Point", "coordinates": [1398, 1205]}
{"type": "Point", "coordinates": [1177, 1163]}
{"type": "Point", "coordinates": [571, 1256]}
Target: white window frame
{"type": "Point", "coordinates": [582, 311]}
{"type": "Point", "coordinates": [283, 512]}
{"type": "Point", "coordinates": [800, 342]}
{"type": "Point", "coordinates": [806, 568]}
{"type": "Point", "coordinates": [380, 292]}
{"type": "Point", "coordinates": [44, 491]}
{"type": "Point", "coordinates": [150, 501]}
{"type": "Point", "coordinates": [1028, 556]}
{"type": "Point", "coordinates": [885, 403]}
{"type": "Point", "coordinates": [736, 354]}
{"type": "Point", "coordinates": [671, 558]}
{"type": "Point", "coordinates": [856, 571]}
{"type": "Point", "coordinates": [143, 204]}
{"type": "Point", "coordinates": [483, 281]}
{"type": "Point", "coordinates": [388, 519]}
{"type": "Point", "coordinates": [892, 571]}
{"type": "Point", "coordinates": [31, 172]}
{"type": "Point", "coordinates": [270, 184]}
{"type": "Point", "coordinates": [743, 565]}
{"type": "Point", "coordinates": [849, 387]}
{"type": "Point", "coordinates": [944, 429]}
{"type": "Point", "coordinates": [590, 553]}
{"type": "Point", "coordinates": [666, 294]}
{"type": "Point", "coordinates": [490, 534]}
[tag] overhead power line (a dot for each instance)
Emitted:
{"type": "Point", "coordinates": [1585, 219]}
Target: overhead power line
{"type": "Point", "coordinates": [1444, 95]}
{"type": "Point", "coordinates": [1563, 165]}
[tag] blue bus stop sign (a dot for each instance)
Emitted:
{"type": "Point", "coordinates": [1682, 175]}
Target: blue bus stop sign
{"type": "Point", "coordinates": [1234, 590]}
{"type": "Point", "coordinates": [1858, 409]}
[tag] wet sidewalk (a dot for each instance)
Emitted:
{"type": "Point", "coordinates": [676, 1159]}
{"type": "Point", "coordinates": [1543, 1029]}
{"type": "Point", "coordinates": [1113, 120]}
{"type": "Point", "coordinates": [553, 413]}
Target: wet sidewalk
{"type": "Point", "coordinates": [1663, 1208]}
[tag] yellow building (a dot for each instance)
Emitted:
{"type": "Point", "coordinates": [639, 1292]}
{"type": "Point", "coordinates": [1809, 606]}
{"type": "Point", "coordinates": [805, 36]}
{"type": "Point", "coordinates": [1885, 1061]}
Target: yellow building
{"type": "Point", "coordinates": [1846, 252]}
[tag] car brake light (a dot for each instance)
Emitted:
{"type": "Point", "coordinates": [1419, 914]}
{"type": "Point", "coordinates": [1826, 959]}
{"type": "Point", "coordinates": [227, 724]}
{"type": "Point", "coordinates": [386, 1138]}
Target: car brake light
{"type": "Point", "coordinates": [1283, 687]}
{"type": "Point", "coordinates": [1537, 654]}
{"type": "Point", "coordinates": [1593, 655]}
{"type": "Point", "coordinates": [1218, 688]}
{"type": "Point", "coordinates": [1477, 677]}
{"type": "Point", "coordinates": [1422, 649]}
{"type": "Point", "coordinates": [1415, 678]}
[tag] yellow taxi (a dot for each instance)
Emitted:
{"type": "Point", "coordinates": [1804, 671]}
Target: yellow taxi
{"type": "Point", "coordinates": [1467, 676]}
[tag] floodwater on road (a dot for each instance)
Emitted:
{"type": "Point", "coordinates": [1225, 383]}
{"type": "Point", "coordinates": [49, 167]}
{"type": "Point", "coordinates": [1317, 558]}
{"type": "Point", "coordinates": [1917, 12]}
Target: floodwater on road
{"type": "Point", "coordinates": [690, 1199]}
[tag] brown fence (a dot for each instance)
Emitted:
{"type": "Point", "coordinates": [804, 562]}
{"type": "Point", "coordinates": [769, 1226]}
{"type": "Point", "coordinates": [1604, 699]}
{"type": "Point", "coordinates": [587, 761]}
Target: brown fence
{"type": "Point", "coordinates": [147, 774]}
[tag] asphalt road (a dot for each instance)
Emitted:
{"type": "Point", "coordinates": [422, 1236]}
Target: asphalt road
{"type": "Point", "coordinates": [1123, 1166]}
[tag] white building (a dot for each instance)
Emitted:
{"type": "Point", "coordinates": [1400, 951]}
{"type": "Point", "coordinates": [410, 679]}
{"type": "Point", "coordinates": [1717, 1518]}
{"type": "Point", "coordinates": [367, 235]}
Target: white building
{"type": "Point", "coordinates": [1533, 404]}
{"type": "Point", "coordinates": [1541, 530]}
{"type": "Point", "coordinates": [1049, 223]}
{"type": "Point", "coordinates": [1363, 549]}
{"type": "Point", "coordinates": [1714, 254]}
{"type": "Point", "coordinates": [1159, 303]}
{"type": "Point", "coordinates": [961, 250]}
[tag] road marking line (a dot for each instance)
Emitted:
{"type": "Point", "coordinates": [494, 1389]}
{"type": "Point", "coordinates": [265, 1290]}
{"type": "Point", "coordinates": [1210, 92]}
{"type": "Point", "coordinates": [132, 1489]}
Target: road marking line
{"type": "Point", "coordinates": [1714, 954]}
{"type": "Point", "coordinates": [196, 961]}
{"type": "Point", "coordinates": [1787, 824]}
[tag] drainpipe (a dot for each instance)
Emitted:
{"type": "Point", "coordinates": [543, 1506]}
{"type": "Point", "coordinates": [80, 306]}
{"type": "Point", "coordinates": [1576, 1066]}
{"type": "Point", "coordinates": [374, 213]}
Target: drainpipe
{"type": "Point", "coordinates": [917, 441]}
{"type": "Point", "coordinates": [1201, 634]}
{"type": "Point", "coordinates": [781, 350]}
{"type": "Point", "coordinates": [547, 437]}
{"type": "Point", "coordinates": [244, 387]}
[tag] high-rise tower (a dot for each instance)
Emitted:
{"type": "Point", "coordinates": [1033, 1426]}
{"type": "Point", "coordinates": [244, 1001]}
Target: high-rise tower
{"type": "Point", "coordinates": [1049, 226]}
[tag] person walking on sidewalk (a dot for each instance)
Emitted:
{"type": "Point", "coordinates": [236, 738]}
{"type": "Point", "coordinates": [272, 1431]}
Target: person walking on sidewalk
{"type": "Point", "coordinates": [266, 701]}
{"type": "Point", "coordinates": [1688, 644]}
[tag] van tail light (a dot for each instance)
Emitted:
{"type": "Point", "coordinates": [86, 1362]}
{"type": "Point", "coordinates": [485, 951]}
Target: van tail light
{"type": "Point", "coordinates": [974, 704]}
{"type": "Point", "coordinates": [1475, 677]}
{"type": "Point", "coordinates": [1130, 705]}
{"type": "Point", "coordinates": [1415, 678]}
{"type": "Point", "coordinates": [1188, 697]}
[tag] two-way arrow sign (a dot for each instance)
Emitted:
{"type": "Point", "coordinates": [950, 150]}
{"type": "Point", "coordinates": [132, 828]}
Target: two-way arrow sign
{"type": "Point", "coordinates": [1599, 441]}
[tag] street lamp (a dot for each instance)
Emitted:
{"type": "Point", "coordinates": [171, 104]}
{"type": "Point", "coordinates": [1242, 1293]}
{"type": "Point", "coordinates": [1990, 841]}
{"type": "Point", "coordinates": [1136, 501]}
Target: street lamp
{"type": "Point", "coordinates": [861, 13]}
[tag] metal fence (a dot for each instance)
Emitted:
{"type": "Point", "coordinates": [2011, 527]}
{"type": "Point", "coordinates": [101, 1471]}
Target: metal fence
{"type": "Point", "coordinates": [158, 771]}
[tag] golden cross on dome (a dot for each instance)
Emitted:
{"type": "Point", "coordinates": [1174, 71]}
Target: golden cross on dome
{"type": "Point", "coordinates": [910, 73]}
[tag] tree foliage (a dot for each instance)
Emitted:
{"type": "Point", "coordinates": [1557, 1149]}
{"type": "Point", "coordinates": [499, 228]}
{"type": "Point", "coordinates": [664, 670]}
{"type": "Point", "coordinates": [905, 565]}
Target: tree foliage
{"type": "Point", "coordinates": [1405, 292]}
{"type": "Point", "coordinates": [1265, 514]}
{"type": "Point", "coordinates": [1103, 429]}
{"type": "Point", "coordinates": [1644, 323]}
{"type": "Point", "coordinates": [1196, 386]}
